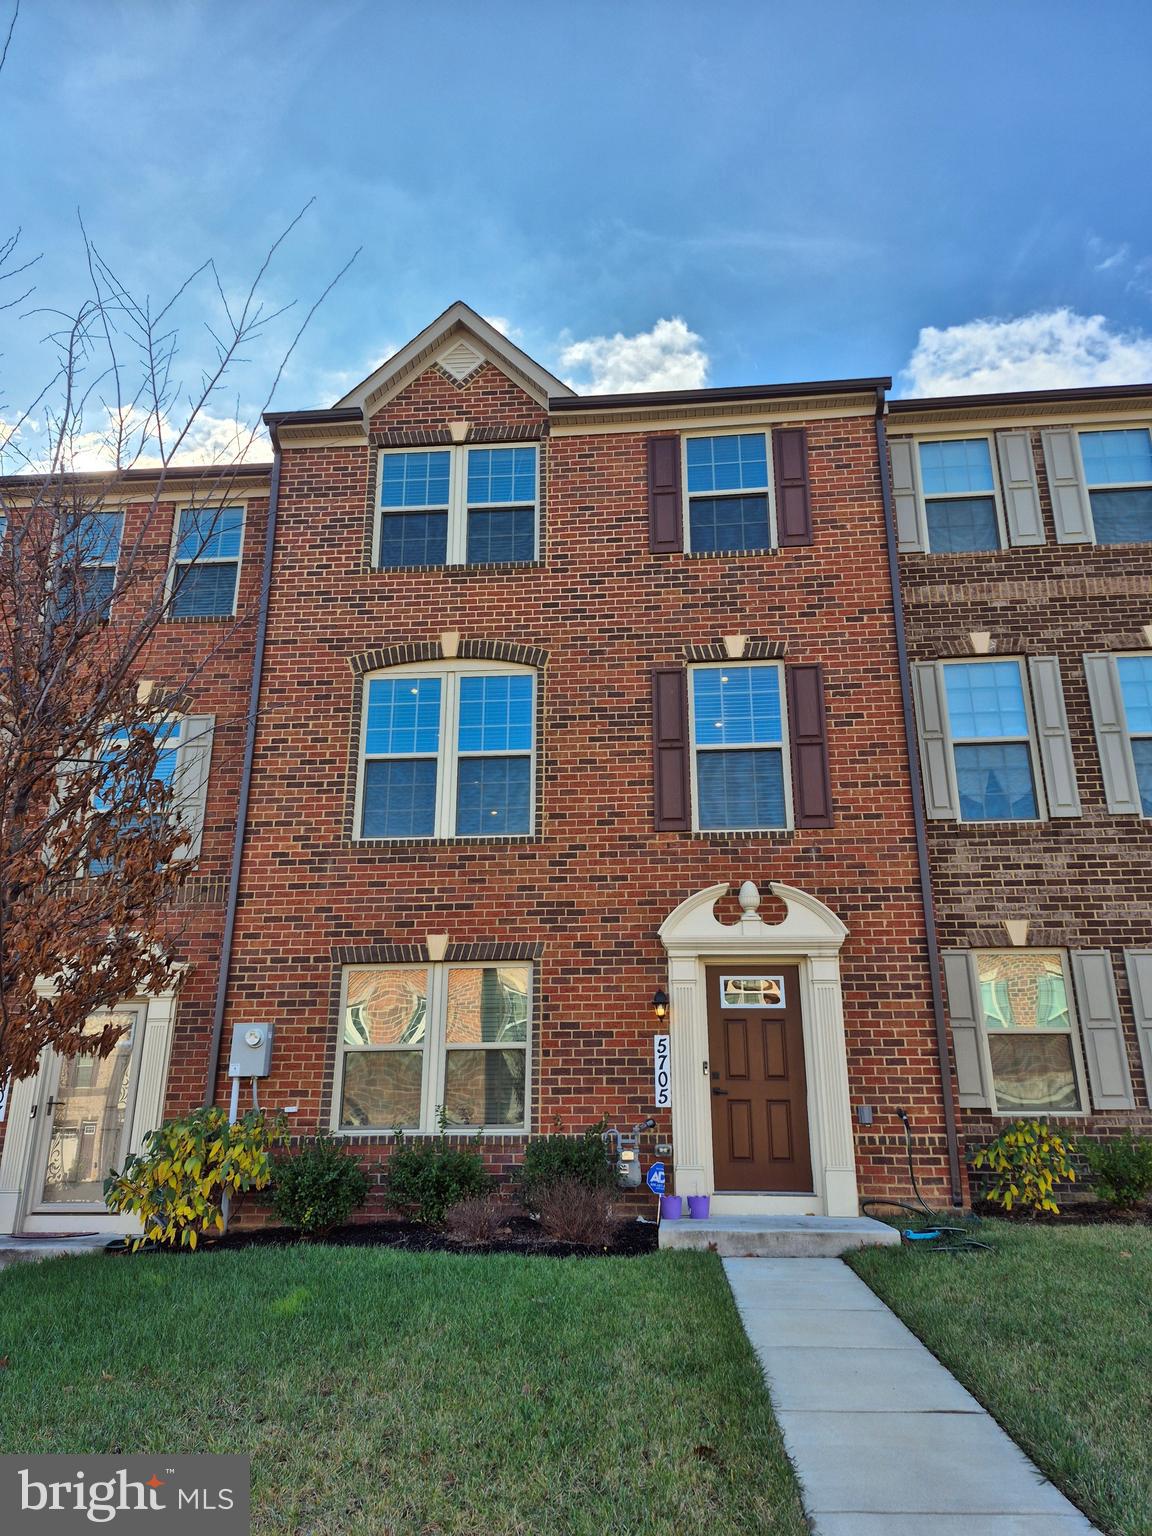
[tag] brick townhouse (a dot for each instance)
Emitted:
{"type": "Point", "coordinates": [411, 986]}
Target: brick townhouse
{"type": "Point", "coordinates": [62, 1129]}
{"type": "Point", "coordinates": [1025, 536]}
{"type": "Point", "coordinates": [575, 721]}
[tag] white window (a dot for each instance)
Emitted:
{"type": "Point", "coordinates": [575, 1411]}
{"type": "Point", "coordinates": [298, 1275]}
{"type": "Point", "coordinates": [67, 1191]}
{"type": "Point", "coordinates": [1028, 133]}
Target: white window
{"type": "Point", "coordinates": [960, 500]}
{"type": "Point", "coordinates": [1029, 1029]}
{"type": "Point", "coordinates": [421, 1040]}
{"type": "Point", "coordinates": [1134, 674]}
{"type": "Point", "coordinates": [457, 506]}
{"type": "Point", "coordinates": [183, 756]}
{"type": "Point", "coordinates": [1118, 476]}
{"type": "Point", "coordinates": [740, 771]}
{"type": "Point", "coordinates": [447, 750]}
{"type": "Point", "coordinates": [91, 552]}
{"type": "Point", "coordinates": [728, 485]}
{"type": "Point", "coordinates": [992, 739]}
{"type": "Point", "coordinates": [206, 562]}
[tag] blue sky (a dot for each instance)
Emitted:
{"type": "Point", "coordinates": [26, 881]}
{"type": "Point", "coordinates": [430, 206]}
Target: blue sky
{"type": "Point", "coordinates": [646, 194]}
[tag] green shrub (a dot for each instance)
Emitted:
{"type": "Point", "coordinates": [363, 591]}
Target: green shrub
{"type": "Point", "coordinates": [1026, 1160]}
{"type": "Point", "coordinates": [318, 1187]}
{"type": "Point", "coordinates": [424, 1178]}
{"type": "Point", "coordinates": [1121, 1169]}
{"type": "Point", "coordinates": [548, 1160]}
{"type": "Point", "coordinates": [177, 1184]}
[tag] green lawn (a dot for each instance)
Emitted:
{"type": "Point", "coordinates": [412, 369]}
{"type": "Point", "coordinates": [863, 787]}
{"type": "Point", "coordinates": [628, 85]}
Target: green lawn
{"type": "Point", "coordinates": [1053, 1333]}
{"type": "Point", "coordinates": [381, 1392]}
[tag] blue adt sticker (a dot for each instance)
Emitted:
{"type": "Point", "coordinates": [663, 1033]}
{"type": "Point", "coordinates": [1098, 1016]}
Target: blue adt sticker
{"type": "Point", "coordinates": [656, 1178]}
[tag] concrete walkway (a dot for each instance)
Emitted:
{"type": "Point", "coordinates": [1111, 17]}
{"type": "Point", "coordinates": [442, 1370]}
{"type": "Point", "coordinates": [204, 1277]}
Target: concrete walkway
{"type": "Point", "coordinates": [884, 1440]}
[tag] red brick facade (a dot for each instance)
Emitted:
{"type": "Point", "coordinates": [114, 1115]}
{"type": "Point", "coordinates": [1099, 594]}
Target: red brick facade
{"type": "Point", "coordinates": [592, 887]}
{"type": "Point", "coordinates": [597, 615]}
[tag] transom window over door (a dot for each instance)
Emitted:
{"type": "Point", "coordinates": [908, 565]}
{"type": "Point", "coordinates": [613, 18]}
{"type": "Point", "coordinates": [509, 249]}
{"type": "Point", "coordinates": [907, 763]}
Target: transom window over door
{"type": "Point", "coordinates": [420, 1040]}
{"type": "Point", "coordinates": [729, 504]}
{"type": "Point", "coordinates": [448, 751]}
{"type": "Point", "coordinates": [991, 741]}
{"type": "Point", "coordinates": [1118, 477]}
{"type": "Point", "coordinates": [738, 738]}
{"type": "Point", "coordinates": [451, 506]}
{"type": "Point", "coordinates": [959, 495]}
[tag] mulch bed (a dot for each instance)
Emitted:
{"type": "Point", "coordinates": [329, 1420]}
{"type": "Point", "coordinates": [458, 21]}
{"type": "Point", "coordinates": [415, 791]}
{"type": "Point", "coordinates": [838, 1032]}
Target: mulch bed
{"type": "Point", "coordinates": [1077, 1213]}
{"type": "Point", "coordinates": [521, 1236]}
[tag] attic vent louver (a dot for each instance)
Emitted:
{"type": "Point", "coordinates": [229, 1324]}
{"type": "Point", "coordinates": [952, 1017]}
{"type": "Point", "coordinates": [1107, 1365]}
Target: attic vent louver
{"type": "Point", "coordinates": [460, 360]}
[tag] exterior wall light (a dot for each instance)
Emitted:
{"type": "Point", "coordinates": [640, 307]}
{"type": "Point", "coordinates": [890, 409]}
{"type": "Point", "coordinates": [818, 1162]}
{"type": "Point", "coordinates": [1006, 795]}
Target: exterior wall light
{"type": "Point", "coordinates": [660, 1003]}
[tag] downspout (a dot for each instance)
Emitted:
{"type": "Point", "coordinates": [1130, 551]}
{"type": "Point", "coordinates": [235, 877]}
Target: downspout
{"type": "Point", "coordinates": [245, 780]}
{"type": "Point", "coordinates": [943, 1052]}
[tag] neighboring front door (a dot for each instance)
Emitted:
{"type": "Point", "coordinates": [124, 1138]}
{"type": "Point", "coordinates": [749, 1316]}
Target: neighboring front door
{"type": "Point", "coordinates": [759, 1090]}
{"type": "Point", "coordinates": [83, 1121]}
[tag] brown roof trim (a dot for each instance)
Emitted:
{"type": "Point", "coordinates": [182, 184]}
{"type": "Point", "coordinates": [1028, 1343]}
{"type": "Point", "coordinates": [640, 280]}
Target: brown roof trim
{"type": "Point", "coordinates": [333, 414]}
{"type": "Point", "coordinates": [1021, 397]}
{"type": "Point", "coordinates": [563, 404]}
{"type": "Point", "coordinates": [114, 477]}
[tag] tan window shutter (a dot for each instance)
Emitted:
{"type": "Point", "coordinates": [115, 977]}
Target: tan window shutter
{"type": "Point", "coordinates": [1071, 509]}
{"type": "Point", "coordinates": [941, 800]}
{"type": "Point", "coordinates": [1101, 1029]}
{"type": "Point", "coordinates": [1021, 493]}
{"type": "Point", "coordinates": [1054, 739]}
{"type": "Point", "coordinates": [911, 523]}
{"type": "Point", "coordinates": [966, 1016]}
{"type": "Point", "coordinates": [1139, 964]}
{"type": "Point", "coordinates": [1121, 787]}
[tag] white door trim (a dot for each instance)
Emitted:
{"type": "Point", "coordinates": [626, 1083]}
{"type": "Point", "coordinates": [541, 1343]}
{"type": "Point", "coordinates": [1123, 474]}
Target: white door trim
{"type": "Point", "coordinates": [157, 1016]}
{"type": "Point", "coordinates": [810, 936]}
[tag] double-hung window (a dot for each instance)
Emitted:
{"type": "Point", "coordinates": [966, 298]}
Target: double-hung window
{"type": "Point", "coordinates": [206, 563]}
{"type": "Point", "coordinates": [959, 491]}
{"type": "Point", "coordinates": [91, 551]}
{"type": "Point", "coordinates": [1118, 478]}
{"type": "Point", "coordinates": [1134, 674]}
{"type": "Point", "coordinates": [739, 761]}
{"type": "Point", "coordinates": [729, 500]}
{"type": "Point", "coordinates": [447, 751]}
{"type": "Point", "coordinates": [459, 505]}
{"type": "Point", "coordinates": [991, 735]}
{"type": "Point", "coordinates": [179, 772]}
{"type": "Point", "coordinates": [424, 1040]}
{"type": "Point", "coordinates": [1027, 1016]}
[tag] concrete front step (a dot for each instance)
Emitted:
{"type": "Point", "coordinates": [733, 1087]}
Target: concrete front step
{"type": "Point", "coordinates": [778, 1237]}
{"type": "Point", "coordinates": [26, 1250]}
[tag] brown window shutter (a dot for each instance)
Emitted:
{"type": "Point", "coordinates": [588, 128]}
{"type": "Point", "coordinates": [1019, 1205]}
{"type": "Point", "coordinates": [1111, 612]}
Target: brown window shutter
{"type": "Point", "coordinates": [672, 795]}
{"type": "Point", "coordinates": [665, 515]}
{"type": "Point", "coordinates": [808, 734]}
{"type": "Point", "coordinates": [793, 502]}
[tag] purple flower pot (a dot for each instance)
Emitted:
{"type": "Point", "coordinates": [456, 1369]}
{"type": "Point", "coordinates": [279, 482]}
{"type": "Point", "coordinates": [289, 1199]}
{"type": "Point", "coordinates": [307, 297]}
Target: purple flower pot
{"type": "Point", "coordinates": [671, 1207]}
{"type": "Point", "coordinates": [698, 1207]}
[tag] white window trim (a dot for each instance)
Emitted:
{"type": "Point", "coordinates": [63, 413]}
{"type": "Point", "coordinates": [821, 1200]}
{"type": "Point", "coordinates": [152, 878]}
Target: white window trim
{"type": "Point", "coordinates": [1109, 485]}
{"type": "Point", "coordinates": [784, 748]}
{"type": "Point", "coordinates": [447, 756]}
{"type": "Point", "coordinates": [1073, 1032]}
{"type": "Point", "coordinates": [1132, 735]}
{"type": "Point", "coordinates": [1033, 744]}
{"type": "Point", "coordinates": [434, 1051]}
{"type": "Point", "coordinates": [456, 552]}
{"type": "Point", "coordinates": [237, 560]}
{"type": "Point", "coordinates": [688, 496]}
{"type": "Point", "coordinates": [179, 747]}
{"type": "Point", "coordinates": [996, 493]}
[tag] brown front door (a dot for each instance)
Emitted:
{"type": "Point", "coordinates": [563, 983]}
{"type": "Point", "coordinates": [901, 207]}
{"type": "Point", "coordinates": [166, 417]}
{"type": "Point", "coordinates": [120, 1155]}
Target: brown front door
{"type": "Point", "coordinates": [756, 1069]}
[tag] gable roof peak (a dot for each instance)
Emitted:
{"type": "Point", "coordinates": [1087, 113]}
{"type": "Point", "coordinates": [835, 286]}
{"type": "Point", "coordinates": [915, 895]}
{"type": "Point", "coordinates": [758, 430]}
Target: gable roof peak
{"type": "Point", "coordinates": [459, 340]}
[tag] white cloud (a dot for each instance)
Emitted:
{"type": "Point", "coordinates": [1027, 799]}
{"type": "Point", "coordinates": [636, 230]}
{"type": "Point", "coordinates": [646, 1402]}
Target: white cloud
{"type": "Point", "coordinates": [220, 440]}
{"type": "Point", "coordinates": [669, 356]}
{"type": "Point", "coordinates": [1048, 350]}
